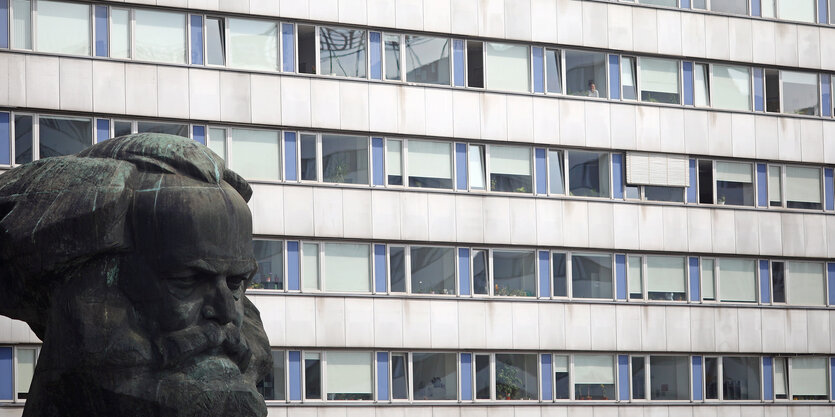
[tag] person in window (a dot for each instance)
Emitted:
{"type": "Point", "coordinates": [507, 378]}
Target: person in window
{"type": "Point", "coordinates": [593, 91]}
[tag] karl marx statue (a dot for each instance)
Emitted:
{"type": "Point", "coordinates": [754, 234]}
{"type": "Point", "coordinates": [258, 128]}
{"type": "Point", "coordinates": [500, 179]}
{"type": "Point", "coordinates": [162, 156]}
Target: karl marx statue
{"type": "Point", "coordinates": [130, 261]}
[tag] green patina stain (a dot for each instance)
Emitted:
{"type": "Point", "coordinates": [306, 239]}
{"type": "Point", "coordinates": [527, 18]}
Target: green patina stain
{"type": "Point", "coordinates": [112, 274]}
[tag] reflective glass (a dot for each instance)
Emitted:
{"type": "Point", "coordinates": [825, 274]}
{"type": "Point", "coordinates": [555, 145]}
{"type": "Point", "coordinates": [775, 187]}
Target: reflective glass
{"type": "Point", "coordinates": [433, 270]}
{"type": "Point", "coordinates": [800, 93]}
{"type": "Point", "coordinates": [22, 24]}
{"type": "Point", "coordinates": [427, 60]}
{"type": "Point", "coordinates": [731, 88]}
{"type": "Point", "coordinates": [64, 135]}
{"type": "Point", "coordinates": [508, 67]}
{"type": "Point", "coordinates": [253, 44]}
{"type": "Point", "coordinates": [556, 179]}
{"type": "Point", "coordinates": [167, 128]}
{"type": "Point", "coordinates": [269, 255]}
{"type": "Point", "coordinates": [119, 33]}
{"type": "Point", "coordinates": [272, 386]}
{"type": "Point", "coordinates": [630, 84]}
{"type": "Point", "coordinates": [585, 73]}
{"type": "Point", "coordinates": [516, 377]}
{"type": "Point", "coordinates": [803, 188]}
{"type": "Point", "coordinates": [588, 174]}
{"type": "Point", "coordinates": [799, 10]}
{"type": "Point", "coordinates": [591, 276]}
{"type": "Point", "coordinates": [553, 70]}
{"type": "Point", "coordinates": [514, 273]}
{"type": "Point", "coordinates": [397, 268]}
{"type": "Point", "coordinates": [347, 267]}
{"type": "Point", "coordinates": [215, 41]}
{"type": "Point", "coordinates": [394, 161]}
{"type": "Point", "coordinates": [510, 169]}
{"type": "Point", "coordinates": [392, 56]}
{"type": "Point", "coordinates": [307, 161]}
{"type": "Point", "coordinates": [399, 376]}
{"type": "Point", "coordinates": [255, 154]}
{"type": "Point", "coordinates": [435, 376]}
{"type": "Point", "coordinates": [740, 378]}
{"type": "Point", "coordinates": [480, 284]}
{"type": "Point", "coordinates": [345, 159]}
{"type": "Point", "coordinates": [63, 27]}
{"type": "Point", "coordinates": [349, 376]}
{"type": "Point", "coordinates": [217, 141]}
{"type": "Point", "coordinates": [730, 6]}
{"type": "Point", "coordinates": [430, 164]}
{"type": "Point", "coordinates": [342, 52]}
{"type": "Point", "coordinates": [669, 377]}
{"type": "Point", "coordinates": [659, 80]}
{"type": "Point", "coordinates": [594, 377]}
{"type": "Point", "coordinates": [23, 139]}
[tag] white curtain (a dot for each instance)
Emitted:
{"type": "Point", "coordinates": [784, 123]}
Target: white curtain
{"type": "Point", "coordinates": [25, 369]}
{"type": "Point", "coordinates": [430, 159]}
{"type": "Point", "coordinates": [806, 283]}
{"type": "Point", "coordinates": [476, 168]}
{"type": "Point", "coordinates": [701, 91]}
{"type": "Point", "coordinates": [119, 33]}
{"type": "Point", "coordinates": [594, 369]}
{"type": "Point", "coordinates": [659, 75]}
{"type": "Point", "coordinates": [508, 67]}
{"type": "Point", "coordinates": [708, 286]}
{"type": "Point", "coordinates": [253, 44]}
{"type": "Point", "coordinates": [64, 27]}
{"type": "Point", "coordinates": [800, 10]}
{"type": "Point", "coordinates": [511, 160]}
{"type": "Point", "coordinates": [22, 29]}
{"type": "Point", "coordinates": [808, 376]}
{"type": "Point", "coordinates": [737, 280]}
{"type": "Point", "coordinates": [394, 164]}
{"type": "Point", "coordinates": [665, 274]}
{"type": "Point", "coordinates": [347, 267]}
{"type": "Point", "coordinates": [731, 87]}
{"type": "Point", "coordinates": [310, 266]}
{"type": "Point", "coordinates": [160, 36]}
{"type": "Point", "coordinates": [349, 373]}
{"type": "Point", "coordinates": [255, 153]}
{"type": "Point", "coordinates": [734, 172]}
{"type": "Point", "coordinates": [803, 184]}
{"type": "Point", "coordinates": [635, 273]}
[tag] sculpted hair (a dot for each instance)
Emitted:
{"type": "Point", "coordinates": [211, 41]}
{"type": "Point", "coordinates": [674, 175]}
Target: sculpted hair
{"type": "Point", "coordinates": [58, 213]}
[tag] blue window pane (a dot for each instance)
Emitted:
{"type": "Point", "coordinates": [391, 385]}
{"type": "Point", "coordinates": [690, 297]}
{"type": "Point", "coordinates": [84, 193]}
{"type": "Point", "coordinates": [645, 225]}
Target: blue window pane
{"type": "Point", "coordinates": [822, 11]}
{"type": "Point", "coordinates": [620, 276]}
{"type": "Point", "coordinates": [541, 171]}
{"type": "Point", "coordinates": [101, 30]}
{"type": "Point", "coordinates": [288, 43]}
{"type": "Point", "coordinates": [375, 55]}
{"type": "Point", "coordinates": [5, 142]}
{"type": "Point", "coordinates": [762, 186]}
{"type": "Point", "coordinates": [382, 375]}
{"type": "Point", "coordinates": [617, 175]}
{"type": "Point", "coordinates": [831, 272]}
{"type": "Point", "coordinates": [6, 374]}
{"type": "Point", "coordinates": [461, 166]}
{"type": "Point", "coordinates": [380, 268]}
{"type": "Point", "coordinates": [768, 379]}
{"type": "Point", "coordinates": [466, 377]}
{"type": "Point", "coordinates": [756, 8]}
{"type": "Point", "coordinates": [198, 133]}
{"type": "Point", "coordinates": [691, 189]}
{"type": "Point", "coordinates": [4, 23]}
{"type": "Point", "coordinates": [544, 274]}
{"type": "Point", "coordinates": [377, 157]}
{"type": "Point", "coordinates": [697, 378]}
{"type": "Point", "coordinates": [829, 192]}
{"type": "Point", "coordinates": [623, 377]}
{"type": "Point", "coordinates": [759, 102]}
{"type": "Point", "coordinates": [294, 374]}
{"type": "Point", "coordinates": [102, 130]}
{"type": "Point", "coordinates": [687, 67]}
{"type": "Point", "coordinates": [290, 156]}
{"type": "Point", "coordinates": [765, 288]}
{"type": "Point", "coordinates": [538, 70]}
{"type": "Point", "coordinates": [293, 265]}
{"type": "Point", "coordinates": [197, 40]}
{"type": "Point", "coordinates": [547, 381]}
{"type": "Point", "coordinates": [826, 95]}
{"type": "Point", "coordinates": [614, 76]}
{"type": "Point", "coordinates": [458, 61]}
{"type": "Point", "coordinates": [464, 270]}
{"type": "Point", "coordinates": [695, 279]}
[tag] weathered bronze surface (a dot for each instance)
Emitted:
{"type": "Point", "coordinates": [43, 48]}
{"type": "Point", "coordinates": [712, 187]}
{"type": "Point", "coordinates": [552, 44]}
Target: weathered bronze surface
{"type": "Point", "coordinates": [130, 261]}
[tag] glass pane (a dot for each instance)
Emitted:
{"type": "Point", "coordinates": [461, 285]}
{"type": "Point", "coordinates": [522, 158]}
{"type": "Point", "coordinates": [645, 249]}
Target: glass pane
{"type": "Point", "coordinates": [308, 157]}
{"type": "Point", "coordinates": [64, 136]}
{"type": "Point", "coordinates": [781, 391]}
{"type": "Point", "coordinates": [392, 57]}
{"type": "Point", "coordinates": [430, 164]}
{"type": "Point", "coordinates": [630, 85]}
{"type": "Point", "coordinates": [734, 183]}
{"type": "Point", "coordinates": [514, 273]}
{"type": "Point", "coordinates": [561, 380]}
{"type": "Point", "coordinates": [160, 36]}
{"type": "Point", "coordinates": [772, 91]}
{"type": "Point", "coordinates": [480, 285]}
{"type": "Point", "coordinates": [666, 278]}
{"type": "Point", "coordinates": [508, 67]}
{"type": "Point", "coordinates": [119, 33]}
{"type": "Point", "coordinates": [553, 70]}
{"type": "Point", "coordinates": [659, 80]}
{"type": "Point", "coordinates": [397, 268]}
{"type": "Point", "coordinates": [121, 128]}
{"type": "Point", "coordinates": [807, 378]}
{"type": "Point", "coordinates": [482, 377]}
{"type": "Point", "coordinates": [26, 360]}
{"type": "Point", "coordinates": [635, 278]}
{"type": "Point", "coordinates": [800, 93]}
{"type": "Point", "coordinates": [433, 270]}
{"type": "Point", "coordinates": [475, 165]}
{"type": "Point", "coordinates": [668, 3]}
{"type": "Point", "coordinates": [345, 159]}
{"type": "Point", "coordinates": [63, 27]}
{"type": "Point", "coordinates": [585, 74]}
{"type": "Point", "coordinates": [775, 194]}
{"type": "Point", "coordinates": [427, 60]}
{"type": "Point", "coordinates": [23, 139]}
{"type": "Point", "coordinates": [705, 182]}
{"type": "Point", "coordinates": [510, 169]}
{"type": "Point", "coordinates": [659, 193]}
{"type": "Point", "coordinates": [347, 267]}
{"type": "Point", "coordinates": [312, 376]}
{"type": "Point", "coordinates": [475, 64]}
{"type": "Point", "coordinates": [255, 154]}
{"type": "Point", "coordinates": [669, 378]}
{"type": "Point", "coordinates": [591, 276]}
{"type": "Point", "coordinates": [712, 378]}
{"type": "Point", "coordinates": [803, 188]}
{"type": "Point", "coordinates": [741, 378]}
{"type": "Point", "coordinates": [560, 277]}
{"type": "Point", "coordinates": [516, 377]}
{"type": "Point", "coordinates": [800, 10]}
{"type": "Point", "coordinates": [807, 283]}
{"type": "Point", "coordinates": [307, 49]}
{"type": "Point", "coordinates": [556, 180]}
{"type": "Point", "coordinates": [394, 165]}
{"type": "Point", "coordinates": [731, 87]}
{"type": "Point", "coordinates": [22, 24]}
{"type": "Point", "coordinates": [310, 266]}
{"type": "Point", "coordinates": [167, 128]}
{"type": "Point", "coordinates": [342, 52]}
{"type": "Point", "coordinates": [272, 387]}
{"type": "Point", "coordinates": [638, 378]}
{"type": "Point", "coordinates": [594, 377]}
{"type": "Point", "coordinates": [737, 280]}
{"type": "Point", "coordinates": [215, 41]}
{"type": "Point", "coordinates": [349, 376]}
{"type": "Point", "coordinates": [730, 6]}
{"type": "Point", "coordinates": [588, 174]}
{"type": "Point", "coordinates": [699, 4]}
{"type": "Point", "coordinates": [707, 278]}
{"type": "Point", "coordinates": [778, 281]}
{"type": "Point", "coordinates": [399, 377]}
{"type": "Point", "coordinates": [435, 376]}
{"type": "Point", "coordinates": [217, 141]}
{"type": "Point", "coordinates": [253, 44]}
{"type": "Point", "coordinates": [269, 255]}
{"type": "Point", "coordinates": [701, 86]}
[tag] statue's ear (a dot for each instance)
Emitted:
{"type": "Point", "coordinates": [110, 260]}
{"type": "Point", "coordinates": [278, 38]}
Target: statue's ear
{"type": "Point", "coordinates": [238, 183]}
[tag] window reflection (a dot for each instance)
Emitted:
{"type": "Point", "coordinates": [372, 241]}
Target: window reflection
{"type": "Point", "coordinates": [427, 60]}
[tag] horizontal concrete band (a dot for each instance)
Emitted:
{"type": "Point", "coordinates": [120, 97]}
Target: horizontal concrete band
{"type": "Point", "coordinates": [115, 88]}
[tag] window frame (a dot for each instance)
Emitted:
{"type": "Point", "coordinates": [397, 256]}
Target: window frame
{"type": "Point", "coordinates": [648, 374]}
{"type": "Point", "coordinates": [15, 370]}
{"type": "Point", "coordinates": [225, 38]}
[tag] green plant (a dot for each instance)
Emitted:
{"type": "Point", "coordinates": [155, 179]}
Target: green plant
{"type": "Point", "coordinates": [507, 382]}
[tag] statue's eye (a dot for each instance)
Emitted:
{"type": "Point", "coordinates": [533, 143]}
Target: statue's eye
{"type": "Point", "coordinates": [235, 282]}
{"type": "Point", "coordinates": [183, 282]}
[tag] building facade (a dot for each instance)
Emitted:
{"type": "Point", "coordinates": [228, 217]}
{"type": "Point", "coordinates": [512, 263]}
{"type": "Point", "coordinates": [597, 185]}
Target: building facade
{"type": "Point", "coordinates": [484, 207]}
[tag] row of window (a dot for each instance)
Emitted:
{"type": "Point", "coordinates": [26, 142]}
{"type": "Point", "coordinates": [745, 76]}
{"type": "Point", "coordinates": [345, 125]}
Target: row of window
{"type": "Point", "coordinates": [256, 154]}
{"type": "Point", "coordinates": [810, 11]}
{"type": "Point", "coordinates": [448, 376]}
{"type": "Point", "coordinates": [163, 36]}
{"type": "Point", "coordinates": [350, 267]}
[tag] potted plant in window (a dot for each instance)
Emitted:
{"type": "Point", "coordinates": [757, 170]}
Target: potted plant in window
{"type": "Point", "coordinates": [507, 382]}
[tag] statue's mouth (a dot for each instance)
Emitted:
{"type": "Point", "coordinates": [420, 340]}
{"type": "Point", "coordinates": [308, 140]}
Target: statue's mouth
{"type": "Point", "coordinates": [210, 340]}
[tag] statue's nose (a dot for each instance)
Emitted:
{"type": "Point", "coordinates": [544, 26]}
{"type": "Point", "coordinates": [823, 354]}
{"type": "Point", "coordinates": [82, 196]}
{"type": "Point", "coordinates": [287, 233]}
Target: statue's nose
{"type": "Point", "coordinates": [220, 303]}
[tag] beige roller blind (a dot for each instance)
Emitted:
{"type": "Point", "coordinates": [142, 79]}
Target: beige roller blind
{"type": "Point", "coordinates": [737, 280]}
{"type": "Point", "coordinates": [734, 172]}
{"type": "Point", "coordinates": [660, 75]}
{"type": "Point", "coordinates": [512, 160]}
{"type": "Point", "coordinates": [347, 267]}
{"type": "Point", "coordinates": [806, 283]}
{"type": "Point", "coordinates": [594, 369]}
{"type": "Point", "coordinates": [808, 376]}
{"type": "Point", "coordinates": [430, 159]}
{"type": "Point", "coordinates": [657, 169]}
{"type": "Point", "coordinates": [349, 373]}
{"type": "Point", "coordinates": [803, 184]}
{"type": "Point", "coordinates": [665, 274]}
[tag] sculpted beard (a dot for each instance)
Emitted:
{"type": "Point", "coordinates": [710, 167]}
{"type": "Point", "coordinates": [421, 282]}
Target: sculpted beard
{"type": "Point", "coordinates": [209, 339]}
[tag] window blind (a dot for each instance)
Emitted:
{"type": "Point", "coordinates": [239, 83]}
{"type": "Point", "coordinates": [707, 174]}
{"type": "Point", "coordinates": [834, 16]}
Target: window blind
{"type": "Point", "coordinates": [634, 279]}
{"type": "Point", "coordinates": [393, 158]}
{"type": "Point", "coordinates": [737, 280]}
{"type": "Point", "coordinates": [119, 33]}
{"type": "Point", "coordinates": [731, 87]}
{"type": "Point", "coordinates": [800, 10]}
{"type": "Point", "coordinates": [774, 180]}
{"type": "Point", "coordinates": [657, 169]}
{"type": "Point", "coordinates": [63, 27]}
{"type": "Point", "coordinates": [160, 36]}
{"type": "Point", "coordinates": [25, 369]}
{"type": "Point", "coordinates": [659, 75]}
{"type": "Point", "coordinates": [253, 44]}
{"type": "Point", "coordinates": [560, 363]}
{"type": "Point", "coordinates": [347, 267]}
{"type": "Point", "coordinates": [701, 90]}
{"type": "Point", "coordinates": [708, 286]}
{"type": "Point", "coordinates": [430, 159]}
{"type": "Point", "coordinates": [512, 160]}
{"type": "Point", "coordinates": [803, 184]}
{"type": "Point", "coordinates": [806, 283]}
{"type": "Point", "coordinates": [508, 66]}
{"type": "Point", "coordinates": [349, 373]}
{"type": "Point", "coordinates": [808, 376]}
{"type": "Point", "coordinates": [665, 274]}
{"type": "Point", "coordinates": [255, 153]}
{"type": "Point", "coordinates": [734, 172]}
{"type": "Point", "coordinates": [310, 265]}
{"type": "Point", "coordinates": [22, 23]}
{"type": "Point", "coordinates": [593, 369]}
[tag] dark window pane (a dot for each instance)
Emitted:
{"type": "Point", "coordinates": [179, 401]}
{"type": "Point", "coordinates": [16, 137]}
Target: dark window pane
{"type": "Point", "coordinates": [435, 376]}
{"type": "Point", "coordinates": [712, 378]}
{"type": "Point", "coordinates": [741, 378]}
{"type": "Point", "coordinates": [482, 377]}
{"type": "Point", "coordinates": [64, 136]}
{"type": "Point", "coordinates": [312, 376]}
{"type": "Point", "coordinates": [659, 193]}
{"type": "Point", "coordinates": [591, 276]}
{"type": "Point", "coordinates": [392, 43]}
{"type": "Point", "coordinates": [588, 174]}
{"type": "Point", "coordinates": [480, 285]}
{"type": "Point", "coordinates": [638, 378]}
{"type": "Point", "coordinates": [270, 258]}
{"type": "Point", "coordinates": [560, 280]}
{"type": "Point", "coordinates": [433, 270]}
{"type": "Point", "coordinates": [342, 52]}
{"type": "Point", "coordinates": [706, 182]}
{"type": "Point", "coordinates": [215, 43]}
{"type": "Point", "coordinates": [427, 60]}
{"type": "Point", "coordinates": [272, 386]}
{"type": "Point", "coordinates": [307, 49]}
{"type": "Point", "coordinates": [772, 91]}
{"type": "Point", "coordinates": [800, 93]}
{"type": "Point", "coordinates": [308, 158]}
{"type": "Point", "coordinates": [516, 377]}
{"type": "Point", "coordinates": [669, 377]}
{"type": "Point", "coordinates": [397, 268]}
{"type": "Point", "coordinates": [23, 139]}
{"type": "Point", "coordinates": [475, 64]}
{"type": "Point", "coordinates": [121, 129]}
{"type": "Point", "coordinates": [345, 159]}
{"type": "Point", "coordinates": [167, 128]}
{"type": "Point", "coordinates": [585, 74]}
{"type": "Point", "coordinates": [553, 72]}
{"type": "Point", "coordinates": [778, 281]}
{"type": "Point", "coordinates": [399, 366]}
{"type": "Point", "coordinates": [514, 273]}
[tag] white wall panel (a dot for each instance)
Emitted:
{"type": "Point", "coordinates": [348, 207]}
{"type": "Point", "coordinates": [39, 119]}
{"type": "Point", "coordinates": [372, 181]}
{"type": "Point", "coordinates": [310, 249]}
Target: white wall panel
{"type": "Point", "coordinates": [409, 14]}
{"type": "Point", "coordinates": [325, 103]}
{"type": "Point", "coordinates": [543, 21]}
{"type": "Point", "coordinates": [785, 44]}
{"type": "Point", "coordinates": [353, 97]}
{"type": "Point", "coordinates": [173, 92]}
{"type": "Point", "coordinates": [644, 30]}
{"type": "Point", "coordinates": [494, 116]}
{"type": "Point", "coordinates": [520, 118]}
{"type": "Point", "coordinates": [572, 123]}
{"type": "Point", "coordinates": [265, 91]}
{"type": "Point", "coordinates": [42, 82]}
{"type": "Point", "coordinates": [437, 16]}
{"type": "Point", "coordinates": [76, 85]}
{"type": "Point", "coordinates": [741, 40]}
{"type": "Point", "coordinates": [439, 112]}
{"type": "Point", "coordinates": [595, 25]}
{"type": "Point", "coordinates": [516, 16]}
{"type": "Point", "coordinates": [356, 214]}
{"type": "Point", "coordinates": [672, 124]}
{"type": "Point", "coordinates": [380, 12]}
{"type": "Point", "coordinates": [204, 94]}
{"type": "Point", "coordinates": [669, 32]}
